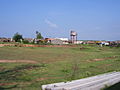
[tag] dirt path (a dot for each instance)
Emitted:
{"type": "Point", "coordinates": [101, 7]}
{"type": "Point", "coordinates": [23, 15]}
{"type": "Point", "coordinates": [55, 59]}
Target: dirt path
{"type": "Point", "coordinates": [101, 59]}
{"type": "Point", "coordinates": [18, 61]}
{"type": "Point", "coordinates": [4, 84]}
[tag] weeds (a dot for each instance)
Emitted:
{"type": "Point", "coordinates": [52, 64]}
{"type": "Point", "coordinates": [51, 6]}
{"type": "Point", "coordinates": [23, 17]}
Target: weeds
{"type": "Point", "coordinates": [18, 73]}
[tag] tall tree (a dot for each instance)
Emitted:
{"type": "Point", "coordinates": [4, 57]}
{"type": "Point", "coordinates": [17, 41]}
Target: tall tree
{"type": "Point", "coordinates": [38, 35]}
{"type": "Point", "coordinates": [17, 37]}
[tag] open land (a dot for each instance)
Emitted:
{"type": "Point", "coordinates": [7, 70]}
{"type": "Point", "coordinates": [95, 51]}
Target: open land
{"type": "Point", "coordinates": [30, 67]}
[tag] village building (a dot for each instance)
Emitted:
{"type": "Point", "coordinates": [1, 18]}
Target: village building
{"type": "Point", "coordinates": [78, 42]}
{"type": "Point", "coordinates": [59, 41]}
{"type": "Point", "coordinates": [29, 39]}
{"type": "Point", "coordinates": [6, 40]}
{"type": "Point", "coordinates": [105, 43]}
{"type": "Point", "coordinates": [64, 40]}
{"type": "Point", "coordinates": [90, 42]}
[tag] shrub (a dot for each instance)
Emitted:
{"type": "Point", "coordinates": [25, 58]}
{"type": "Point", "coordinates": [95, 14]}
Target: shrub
{"type": "Point", "coordinates": [25, 41]}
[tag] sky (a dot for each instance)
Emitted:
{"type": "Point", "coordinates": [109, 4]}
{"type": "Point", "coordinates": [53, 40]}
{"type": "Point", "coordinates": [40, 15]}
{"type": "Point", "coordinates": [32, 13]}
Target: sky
{"type": "Point", "coordinates": [91, 19]}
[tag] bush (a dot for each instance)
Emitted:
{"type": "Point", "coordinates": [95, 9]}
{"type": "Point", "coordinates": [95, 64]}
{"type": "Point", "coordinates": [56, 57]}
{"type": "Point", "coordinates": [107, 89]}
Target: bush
{"type": "Point", "coordinates": [25, 41]}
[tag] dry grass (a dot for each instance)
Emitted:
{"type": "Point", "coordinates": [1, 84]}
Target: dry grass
{"type": "Point", "coordinates": [54, 64]}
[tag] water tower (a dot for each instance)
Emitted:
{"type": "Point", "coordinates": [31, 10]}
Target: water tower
{"type": "Point", "coordinates": [73, 36]}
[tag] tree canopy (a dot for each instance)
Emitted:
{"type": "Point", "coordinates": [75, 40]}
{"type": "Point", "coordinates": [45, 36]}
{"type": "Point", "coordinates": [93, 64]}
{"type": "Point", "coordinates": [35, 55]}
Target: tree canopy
{"type": "Point", "coordinates": [38, 35]}
{"type": "Point", "coordinates": [17, 37]}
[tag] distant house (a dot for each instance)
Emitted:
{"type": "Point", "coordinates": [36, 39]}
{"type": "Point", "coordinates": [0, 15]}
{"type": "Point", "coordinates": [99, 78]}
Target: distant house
{"type": "Point", "coordinates": [114, 43]}
{"type": "Point", "coordinates": [118, 41]}
{"type": "Point", "coordinates": [64, 40]}
{"type": "Point", "coordinates": [6, 40]}
{"type": "Point", "coordinates": [105, 43]}
{"type": "Point", "coordinates": [38, 40]}
{"type": "Point", "coordinates": [91, 42]}
{"type": "Point", "coordinates": [57, 41]}
{"type": "Point", "coordinates": [48, 40]}
{"type": "Point", "coordinates": [78, 42]}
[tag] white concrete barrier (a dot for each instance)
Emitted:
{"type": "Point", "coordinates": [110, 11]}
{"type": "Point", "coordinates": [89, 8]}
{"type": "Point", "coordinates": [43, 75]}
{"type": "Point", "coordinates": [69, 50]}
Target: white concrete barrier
{"type": "Point", "coordinates": [90, 83]}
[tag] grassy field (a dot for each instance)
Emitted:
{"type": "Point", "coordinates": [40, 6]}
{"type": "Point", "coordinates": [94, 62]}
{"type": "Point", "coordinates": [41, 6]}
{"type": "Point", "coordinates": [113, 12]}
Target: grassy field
{"type": "Point", "coordinates": [53, 64]}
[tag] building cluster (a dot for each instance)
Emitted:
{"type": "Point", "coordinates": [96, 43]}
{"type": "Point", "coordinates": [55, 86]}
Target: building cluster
{"type": "Point", "coordinates": [61, 41]}
{"type": "Point", "coordinates": [5, 39]}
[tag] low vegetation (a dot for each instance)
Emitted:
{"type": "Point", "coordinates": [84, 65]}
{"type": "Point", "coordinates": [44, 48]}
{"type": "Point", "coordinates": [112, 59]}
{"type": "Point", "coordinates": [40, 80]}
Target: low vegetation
{"type": "Point", "coordinates": [54, 64]}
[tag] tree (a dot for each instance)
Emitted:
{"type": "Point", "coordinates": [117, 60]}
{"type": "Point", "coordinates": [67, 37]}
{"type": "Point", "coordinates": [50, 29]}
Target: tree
{"type": "Point", "coordinates": [17, 37]}
{"type": "Point", "coordinates": [38, 35]}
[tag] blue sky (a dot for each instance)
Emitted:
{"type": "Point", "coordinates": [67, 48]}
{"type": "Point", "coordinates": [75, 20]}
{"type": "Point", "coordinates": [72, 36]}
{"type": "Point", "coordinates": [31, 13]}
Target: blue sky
{"type": "Point", "coordinates": [91, 19]}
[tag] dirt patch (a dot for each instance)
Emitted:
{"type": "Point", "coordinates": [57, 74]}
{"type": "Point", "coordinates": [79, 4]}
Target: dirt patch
{"type": "Point", "coordinates": [104, 66]}
{"type": "Point", "coordinates": [4, 84]}
{"type": "Point", "coordinates": [83, 48]}
{"type": "Point", "coordinates": [45, 78]}
{"type": "Point", "coordinates": [18, 61]}
{"type": "Point", "coordinates": [101, 59]}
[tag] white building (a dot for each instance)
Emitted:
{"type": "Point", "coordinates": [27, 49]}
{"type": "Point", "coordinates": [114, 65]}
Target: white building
{"type": "Point", "coordinates": [78, 42]}
{"type": "Point", "coordinates": [105, 43]}
{"type": "Point", "coordinates": [64, 40]}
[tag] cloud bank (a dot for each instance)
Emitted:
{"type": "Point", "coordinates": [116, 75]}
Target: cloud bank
{"type": "Point", "coordinates": [51, 24]}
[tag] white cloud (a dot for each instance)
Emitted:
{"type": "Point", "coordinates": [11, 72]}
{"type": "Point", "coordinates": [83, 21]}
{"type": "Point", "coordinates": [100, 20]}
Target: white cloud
{"type": "Point", "coordinates": [53, 25]}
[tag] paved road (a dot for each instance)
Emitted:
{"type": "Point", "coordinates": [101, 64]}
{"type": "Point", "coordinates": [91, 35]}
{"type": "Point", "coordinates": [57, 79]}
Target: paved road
{"type": "Point", "coordinates": [91, 83]}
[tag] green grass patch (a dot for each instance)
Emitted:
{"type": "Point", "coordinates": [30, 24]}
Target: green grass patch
{"type": "Point", "coordinates": [55, 64]}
